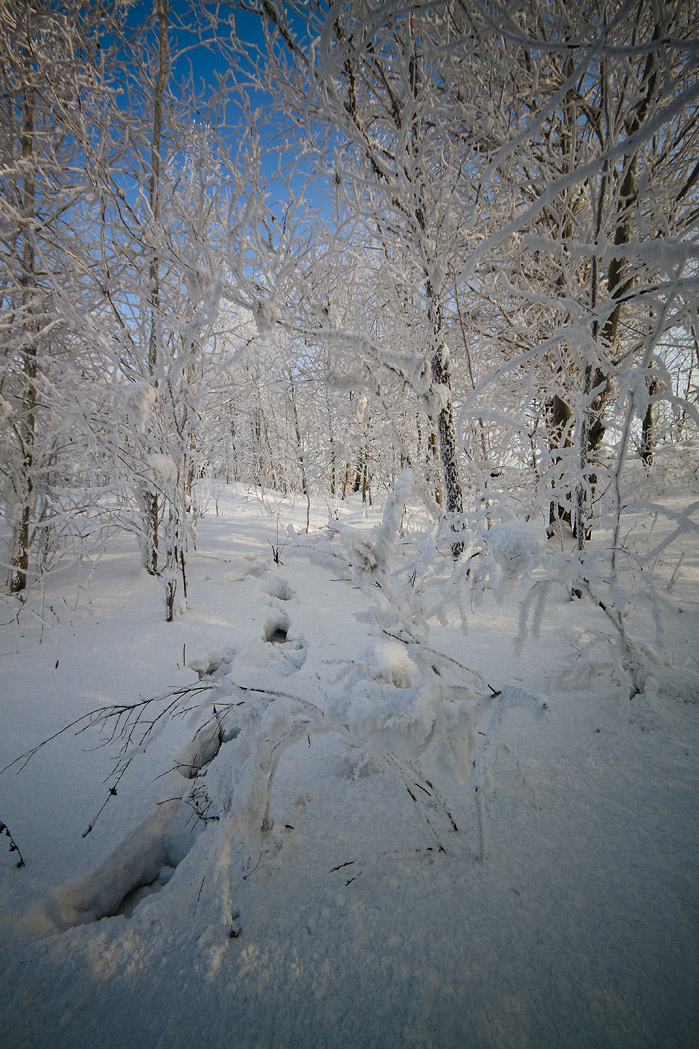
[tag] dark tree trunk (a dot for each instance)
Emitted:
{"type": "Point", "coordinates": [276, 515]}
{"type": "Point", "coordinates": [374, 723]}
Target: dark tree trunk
{"type": "Point", "coordinates": [441, 389]}
{"type": "Point", "coordinates": [647, 429]}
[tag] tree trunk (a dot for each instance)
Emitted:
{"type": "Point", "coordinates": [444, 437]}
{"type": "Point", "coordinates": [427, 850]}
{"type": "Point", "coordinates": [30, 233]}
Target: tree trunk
{"type": "Point", "coordinates": [333, 454]}
{"type": "Point", "coordinates": [558, 416]}
{"type": "Point", "coordinates": [647, 428]}
{"type": "Point", "coordinates": [19, 553]}
{"type": "Point", "coordinates": [346, 480]}
{"type": "Point", "coordinates": [440, 389]}
{"type": "Point", "coordinates": [433, 462]}
{"type": "Point", "coordinates": [618, 283]}
{"type": "Point", "coordinates": [299, 453]}
{"type": "Point", "coordinates": [366, 479]}
{"type": "Point", "coordinates": [161, 9]}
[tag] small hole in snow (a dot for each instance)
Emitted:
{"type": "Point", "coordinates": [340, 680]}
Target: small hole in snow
{"type": "Point", "coordinates": [276, 629]}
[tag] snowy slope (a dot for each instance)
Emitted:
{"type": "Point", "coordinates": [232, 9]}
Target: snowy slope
{"type": "Point", "coordinates": [341, 889]}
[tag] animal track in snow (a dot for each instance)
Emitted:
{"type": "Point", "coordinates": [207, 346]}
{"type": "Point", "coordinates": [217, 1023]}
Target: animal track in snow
{"type": "Point", "coordinates": [141, 865]}
{"type": "Point", "coordinates": [279, 588]}
{"type": "Point", "coordinates": [277, 627]}
{"type": "Point", "coordinates": [277, 633]}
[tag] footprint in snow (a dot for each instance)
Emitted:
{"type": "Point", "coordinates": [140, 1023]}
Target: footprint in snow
{"type": "Point", "coordinates": [141, 865]}
{"type": "Point", "coordinates": [278, 587]}
{"type": "Point", "coordinates": [276, 633]}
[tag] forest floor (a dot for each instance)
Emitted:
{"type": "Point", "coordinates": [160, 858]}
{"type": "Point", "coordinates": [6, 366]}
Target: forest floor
{"type": "Point", "coordinates": [323, 882]}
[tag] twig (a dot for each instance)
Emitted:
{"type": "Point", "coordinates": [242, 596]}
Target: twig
{"type": "Point", "coordinates": [198, 896]}
{"type": "Point", "coordinates": [111, 793]}
{"type": "Point", "coordinates": [125, 723]}
{"type": "Point", "coordinates": [259, 860]}
{"type": "Point", "coordinates": [14, 847]}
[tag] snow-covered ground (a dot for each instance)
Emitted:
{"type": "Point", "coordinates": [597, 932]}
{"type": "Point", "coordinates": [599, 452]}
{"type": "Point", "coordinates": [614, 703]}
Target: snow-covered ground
{"type": "Point", "coordinates": [299, 857]}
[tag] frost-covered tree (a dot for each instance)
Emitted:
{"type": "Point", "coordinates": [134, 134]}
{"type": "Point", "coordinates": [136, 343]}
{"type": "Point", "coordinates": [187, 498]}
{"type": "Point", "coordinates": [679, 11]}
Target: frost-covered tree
{"type": "Point", "coordinates": [594, 267]}
{"type": "Point", "coordinates": [379, 93]}
{"type": "Point", "coordinates": [53, 100]}
{"type": "Point", "coordinates": [164, 199]}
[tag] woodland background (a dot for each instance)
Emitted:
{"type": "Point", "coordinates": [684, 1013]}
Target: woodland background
{"type": "Point", "coordinates": [305, 246]}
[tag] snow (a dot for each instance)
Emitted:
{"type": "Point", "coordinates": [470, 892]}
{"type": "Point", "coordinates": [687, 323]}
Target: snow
{"type": "Point", "coordinates": [162, 469]}
{"type": "Point", "coordinates": [140, 399]}
{"type": "Point", "coordinates": [332, 877]}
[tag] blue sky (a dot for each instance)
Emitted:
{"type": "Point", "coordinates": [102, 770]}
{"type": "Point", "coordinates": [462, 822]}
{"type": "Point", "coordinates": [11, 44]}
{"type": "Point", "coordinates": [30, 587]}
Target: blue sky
{"type": "Point", "coordinates": [206, 64]}
{"type": "Point", "coordinates": [203, 59]}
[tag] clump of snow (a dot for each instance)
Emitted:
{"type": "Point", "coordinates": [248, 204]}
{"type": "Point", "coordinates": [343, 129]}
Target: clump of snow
{"type": "Point", "coordinates": [509, 551]}
{"type": "Point", "coordinates": [516, 546]}
{"type": "Point", "coordinates": [216, 661]}
{"type": "Point", "coordinates": [192, 759]}
{"type": "Point", "coordinates": [369, 554]}
{"type": "Point", "coordinates": [436, 399]}
{"type": "Point", "coordinates": [197, 278]}
{"type": "Point", "coordinates": [140, 400]}
{"type": "Point", "coordinates": [162, 469]}
{"type": "Point", "coordinates": [390, 703]}
{"type": "Point", "coordinates": [391, 663]}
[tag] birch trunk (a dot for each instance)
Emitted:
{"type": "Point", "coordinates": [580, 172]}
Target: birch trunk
{"type": "Point", "coordinates": [150, 497]}
{"type": "Point", "coordinates": [24, 486]}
